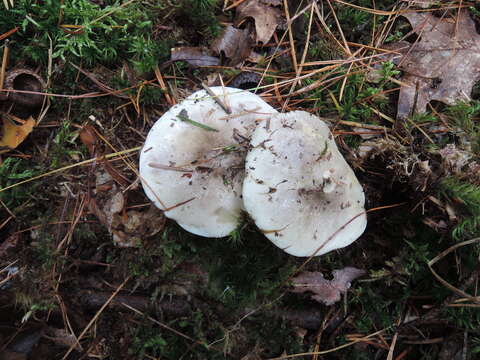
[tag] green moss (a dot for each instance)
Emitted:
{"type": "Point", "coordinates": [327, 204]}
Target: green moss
{"type": "Point", "coordinates": [85, 32]}
{"type": "Point", "coordinates": [200, 15]}
{"type": "Point", "coordinates": [459, 192]}
{"type": "Point", "coordinates": [245, 272]}
{"type": "Point", "coordinates": [464, 115]}
{"type": "Point", "coordinates": [12, 171]}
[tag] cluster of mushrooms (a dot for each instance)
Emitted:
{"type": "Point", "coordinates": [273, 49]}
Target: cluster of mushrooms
{"type": "Point", "coordinates": [222, 152]}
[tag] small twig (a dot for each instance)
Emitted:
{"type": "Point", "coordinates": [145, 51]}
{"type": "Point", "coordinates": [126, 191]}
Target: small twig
{"type": "Point", "coordinates": [220, 102]}
{"type": "Point", "coordinates": [424, 342]}
{"type": "Point", "coordinates": [102, 86]}
{"type": "Point", "coordinates": [89, 325]}
{"type": "Point", "coordinates": [305, 52]}
{"type": "Point", "coordinates": [363, 126]}
{"type": "Point", "coordinates": [246, 112]}
{"type": "Point", "coordinates": [4, 64]}
{"type": "Point", "coordinates": [235, 4]}
{"type": "Point", "coordinates": [179, 204]}
{"type": "Point", "coordinates": [5, 222]}
{"type": "Point", "coordinates": [166, 167]}
{"type": "Point", "coordinates": [8, 33]}
{"type": "Point", "coordinates": [475, 299]}
{"type": "Point", "coordinates": [165, 326]}
{"type": "Point", "coordinates": [293, 53]}
{"type": "Point", "coordinates": [362, 339]}
{"type": "Point", "coordinates": [171, 101]}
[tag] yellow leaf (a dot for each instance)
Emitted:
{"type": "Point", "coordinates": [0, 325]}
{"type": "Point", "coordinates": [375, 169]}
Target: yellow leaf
{"type": "Point", "coordinates": [13, 134]}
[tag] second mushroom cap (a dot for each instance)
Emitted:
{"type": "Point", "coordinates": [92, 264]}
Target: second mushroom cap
{"type": "Point", "coordinates": [298, 188]}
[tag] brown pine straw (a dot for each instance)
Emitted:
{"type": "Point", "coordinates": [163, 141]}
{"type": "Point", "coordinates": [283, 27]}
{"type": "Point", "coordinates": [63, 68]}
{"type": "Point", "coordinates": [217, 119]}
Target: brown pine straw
{"type": "Point", "coordinates": [171, 101]}
{"type": "Point", "coordinates": [95, 317]}
{"type": "Point", "coordinates": [4, 65]}
{"type": "Point", "coordinates": [71, 166]}
{"type": "Point", "coordinates": [323, 352]}
{"type": "Point", "coordinates": [474, 299]}
{"type": "Point", "coordinates": [8, 33]}
{"type": "Point", "coordinates": [234, 5]}
{"type": "Point", "coordinates": [395, 12]}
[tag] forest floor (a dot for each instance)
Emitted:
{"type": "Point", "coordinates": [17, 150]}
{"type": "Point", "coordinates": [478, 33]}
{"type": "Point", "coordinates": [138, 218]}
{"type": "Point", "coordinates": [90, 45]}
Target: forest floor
{"type": "Point", "coordinates": [83, 81]}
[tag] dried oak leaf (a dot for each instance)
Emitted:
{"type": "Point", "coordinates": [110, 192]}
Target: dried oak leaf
{"type": "Point", "coordinates": [12, 134]}
{"type": "Point", "coordinates": [236, 44]}
{"type": "Point", "coordinates": [443, 65]}
{"type": "Point", "coordinates": [266, 17]}
{"type": "Point", "coordinates": [326, 291]}
{"type": "Point", "coordinates": [195, 56]}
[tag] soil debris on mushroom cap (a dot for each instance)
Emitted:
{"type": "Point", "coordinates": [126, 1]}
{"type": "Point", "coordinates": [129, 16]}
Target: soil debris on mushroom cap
{"type": "Point", "coordinates": [192, 162]}
{"type": "Point", "coordinates": [299, 189]}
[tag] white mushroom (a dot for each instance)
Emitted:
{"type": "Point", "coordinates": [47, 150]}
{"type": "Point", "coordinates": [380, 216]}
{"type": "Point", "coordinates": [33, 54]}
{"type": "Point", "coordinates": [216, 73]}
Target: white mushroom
{"type": "Point", "coordinates": [298, 188]}
{"type": "Point", "coordinates": [192, 163]}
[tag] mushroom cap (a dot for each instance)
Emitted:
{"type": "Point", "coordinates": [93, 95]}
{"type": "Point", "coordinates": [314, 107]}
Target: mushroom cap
{"type": "Point", "coordinates": [299, 189]}
{"type": "Point", "coordinates": [192, 162]}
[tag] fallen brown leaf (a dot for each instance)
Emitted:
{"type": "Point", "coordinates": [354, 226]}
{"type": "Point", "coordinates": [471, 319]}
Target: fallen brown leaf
{"type": "Point", "coordinates": [128, 228]}
{"type": "Point", "coordinates": [236, 44]}
{"type": "Point", "coordinates": [326, 291]}
{"type": "Point", "coordinates": [455, 160]}
{"type": "Point", "coordinates": [266, 16]}
{"type": "Point", "coordinates": [61, 337]}
{"type": "Point", "coordinates": [443, 65]}
{"type": "Point", "coordinates": [13, 134]}
{"type": "Point", "coordinates": [89, 138]}
{"type": "Point", "coordinates": [9, 243]}
{"type": "Point", "coordinates": [195, 56]}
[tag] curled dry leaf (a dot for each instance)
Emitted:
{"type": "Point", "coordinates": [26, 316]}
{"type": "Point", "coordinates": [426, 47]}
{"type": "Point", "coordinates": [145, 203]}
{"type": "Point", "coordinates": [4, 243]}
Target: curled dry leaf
{"type": "Point", "coordinates": [236, 44]}
{"type": "Point", "coordinates": [12, 134]}
{"type": "Point", "coordinates": [443, 65]}
{"type": "Point", "coordinates": [128, 228]}
{"type": "Point", "coordinates": [61, 337]}
{"type": "Point", "coordinates": [195, 56]}
{"type": "Point", "coordinates": [454, 160]}
{"type": "Point", "coordinates": [266, 17]}
{"type": "Point", "coordinates": [326, 291]}
{"type": "Point", "coordinates": [89, 137]}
